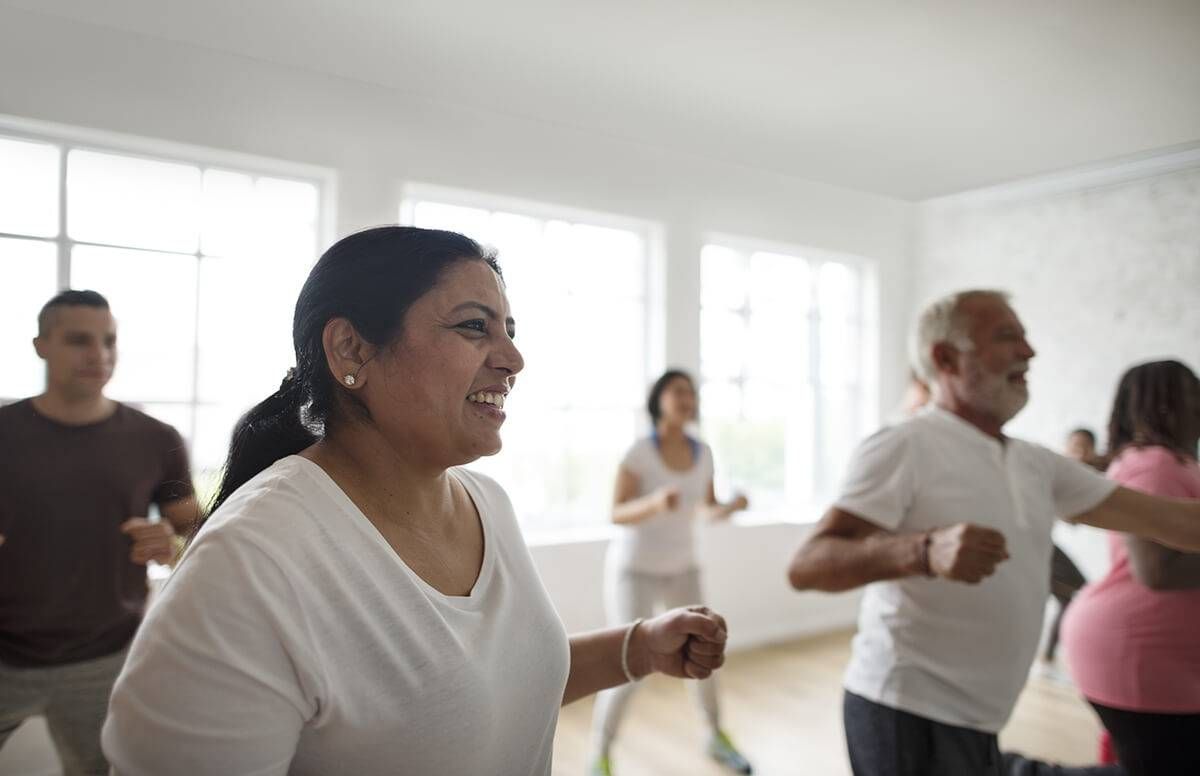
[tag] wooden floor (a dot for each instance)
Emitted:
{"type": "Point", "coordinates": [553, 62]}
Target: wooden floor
{"type": "Point", "coordinates": [782, 705]}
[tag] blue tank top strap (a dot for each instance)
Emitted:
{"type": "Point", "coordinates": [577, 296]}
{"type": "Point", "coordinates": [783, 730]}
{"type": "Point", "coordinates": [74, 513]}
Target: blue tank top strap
{"type": "Point", "coordinates": [694, 444]}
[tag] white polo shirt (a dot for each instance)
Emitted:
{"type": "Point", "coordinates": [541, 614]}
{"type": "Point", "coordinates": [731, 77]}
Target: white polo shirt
{"type": "Point", "coordinates": [948, 651]}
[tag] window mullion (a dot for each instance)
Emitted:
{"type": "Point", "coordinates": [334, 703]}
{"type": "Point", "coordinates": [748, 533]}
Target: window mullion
{"type": "Point", "coordinates": [63, 242]}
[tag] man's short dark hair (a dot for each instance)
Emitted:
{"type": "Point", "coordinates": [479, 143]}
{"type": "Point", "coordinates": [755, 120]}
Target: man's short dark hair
{"type": "Point", "coordinates": [68, 298]}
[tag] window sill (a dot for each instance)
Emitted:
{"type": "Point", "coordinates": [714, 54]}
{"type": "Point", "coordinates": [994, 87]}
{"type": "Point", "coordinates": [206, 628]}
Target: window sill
{"type": "Point", "coordinates": [601, 534]}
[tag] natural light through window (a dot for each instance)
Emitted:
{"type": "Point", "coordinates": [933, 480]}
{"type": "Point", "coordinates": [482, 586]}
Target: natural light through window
{"type": "Point", "coordinates": [578, 294]}
{"type": "Point", "coordinates": [196, 261]}
{"type": "Point", "coordinates": [783, 357]}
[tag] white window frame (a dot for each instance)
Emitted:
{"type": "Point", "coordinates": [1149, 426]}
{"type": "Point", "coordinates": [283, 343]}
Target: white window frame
{"type": "Point", "coordinates": [70, 138]}
{"type": "Point", "coordinates": [866, 391]}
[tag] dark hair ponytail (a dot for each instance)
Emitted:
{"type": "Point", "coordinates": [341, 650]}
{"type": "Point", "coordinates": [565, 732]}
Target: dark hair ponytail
{"type": "Point", "coordinates": [370, 278]}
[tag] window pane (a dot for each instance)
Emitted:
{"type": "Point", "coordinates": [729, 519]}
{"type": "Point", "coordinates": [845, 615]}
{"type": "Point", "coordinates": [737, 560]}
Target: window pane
{"type": "Point", "coordinates": [29, 269]}
{"type": "Point", "coordinates": [141, 203]}
{"type": "Point", "coordinates": [214, 425]}
{"type": "Point", "coordinates": [778, 345]}
{"type": "Point", "coordinates": [264, 295]}
{"type": "Point", "coordinates": [228, 223]}
{"type": "Point", "coordinates": [776, 278]}
{"type": "Point", "coordinates": [153, 298]}
{"type": "Point", "coordinates": [749, 458]}
{"type": "Point", "coordinates": [720, 401]}
{"type": "Point", "coordinates": [722, 343]}
{"type": "Point", "coordinates": [839, 436]}
{"type": "Point", "coordinates": [841, 353]}
{"type": "Point", "coordinates": [471, 221]}
{"type": "Point", "coordinates": [28, 188]}
{"type": "Point", "coordinates": [839, 291]}
{"type": "Point", "coordinates": [799, 464]}
{"type": "Point", "coordinates": [602, 357]}
{"type": "Point", "coordinates": [723, 278]}
{"type": "Point", "coordinates": [282, 202]}
{"type": "Point", "coordinates": [598, 262]}
{"type": "Point", "coordinates": [519, 241]}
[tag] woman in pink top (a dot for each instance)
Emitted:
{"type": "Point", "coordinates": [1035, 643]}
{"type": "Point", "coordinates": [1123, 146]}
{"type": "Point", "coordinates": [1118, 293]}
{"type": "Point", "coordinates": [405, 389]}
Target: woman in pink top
{"type": "Point", "coordinates": [1133, 638]}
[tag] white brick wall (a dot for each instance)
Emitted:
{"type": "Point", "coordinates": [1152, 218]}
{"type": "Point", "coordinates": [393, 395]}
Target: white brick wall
{"type": "Point", "coordinates": [1102, 277]}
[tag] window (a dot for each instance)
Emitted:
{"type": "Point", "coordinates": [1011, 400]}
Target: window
{"type": "Point", "coordinates": [196, 260]}
{"type": "Point", "coordinates": [786, 342]}
{"type": "Point", "coordinates": [578, 290]}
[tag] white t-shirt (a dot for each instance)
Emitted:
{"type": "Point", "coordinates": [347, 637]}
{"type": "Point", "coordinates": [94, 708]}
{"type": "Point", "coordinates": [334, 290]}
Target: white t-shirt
{"type": "Point", "coordinates": [664, 543]}
{"type": "Point", "coordinates": [948, 651]}
{"type": "Point", "coordinates": [294, 640]}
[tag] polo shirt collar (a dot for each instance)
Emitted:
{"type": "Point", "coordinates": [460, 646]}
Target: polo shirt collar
{"type": "Point", "coordinates": [964, 429]}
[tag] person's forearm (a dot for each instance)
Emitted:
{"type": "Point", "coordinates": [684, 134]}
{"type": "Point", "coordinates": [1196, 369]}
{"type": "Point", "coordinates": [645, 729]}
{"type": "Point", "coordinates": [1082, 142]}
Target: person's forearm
{"type": "Point", "coordinates": [635, 510]}
{"type": "Point", "coordinates": [716, 511]}
{"type": "Point", "coordinates": [596, 661]}
{"type": "Point", "coordinates": [1181, 572]}
{"type": "Point", "coordinates": [1169, 521]}
{"type": "Point", "coordinates": [1160, 568]}
{"type": "Point", "coordinates": [833, 564]}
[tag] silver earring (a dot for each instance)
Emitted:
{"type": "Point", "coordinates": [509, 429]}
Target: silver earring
{"type": "Point", "coordinates": [349, 380]}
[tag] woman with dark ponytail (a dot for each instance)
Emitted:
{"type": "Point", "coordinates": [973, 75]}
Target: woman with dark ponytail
{"type": "Point", "coordinates": [356, 602]}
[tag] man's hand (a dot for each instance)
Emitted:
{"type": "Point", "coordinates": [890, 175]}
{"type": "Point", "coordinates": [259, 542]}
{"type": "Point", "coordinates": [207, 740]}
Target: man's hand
{"type": "Point", "coordinates": [966, 552]}
{"type": "Point", "coordinates": [688, 643]}
{"type": "Point", "coordinates": [151, 541]}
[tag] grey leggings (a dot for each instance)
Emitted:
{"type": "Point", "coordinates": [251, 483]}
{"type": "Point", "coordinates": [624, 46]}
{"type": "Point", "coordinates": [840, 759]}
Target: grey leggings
{"type": "Point", "coordinates": [627, 596]}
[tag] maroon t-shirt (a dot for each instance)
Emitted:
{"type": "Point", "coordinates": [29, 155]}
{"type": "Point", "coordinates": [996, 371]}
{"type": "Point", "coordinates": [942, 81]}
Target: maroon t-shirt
{"type": "Point", "coordinates": [68, 591]}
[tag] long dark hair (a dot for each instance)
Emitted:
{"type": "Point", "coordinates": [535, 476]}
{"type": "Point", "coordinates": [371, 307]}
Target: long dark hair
{"type": "Point", "coordinates": [654, 400]}
{"type": "Point", "coordinates": [370, 278]}
{"type": "Point", "coordinates": [1157, 403]}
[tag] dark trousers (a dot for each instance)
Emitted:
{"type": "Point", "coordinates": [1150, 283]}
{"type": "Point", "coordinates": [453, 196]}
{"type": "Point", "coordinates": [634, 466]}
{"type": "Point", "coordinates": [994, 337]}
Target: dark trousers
{"type": "Point", "coordinates": [889, 742]}
{"type": "Point", "coordinates": [1151, 744]}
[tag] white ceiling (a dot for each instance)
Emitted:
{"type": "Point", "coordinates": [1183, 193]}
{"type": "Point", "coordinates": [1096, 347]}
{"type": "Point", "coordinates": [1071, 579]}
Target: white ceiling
{"type": "Point", "coordinates": [909, 99]}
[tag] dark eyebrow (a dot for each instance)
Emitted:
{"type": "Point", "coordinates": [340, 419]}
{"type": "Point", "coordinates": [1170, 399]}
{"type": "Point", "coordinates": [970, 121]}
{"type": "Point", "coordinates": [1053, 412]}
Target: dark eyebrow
{"type": "Point", "coordinates": [489, 312]}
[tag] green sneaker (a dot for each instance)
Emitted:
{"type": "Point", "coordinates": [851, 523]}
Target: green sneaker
{"type": "Point", "coordinates": [602, 767]}
{"type": "Point", "coordinates": [721, 749]}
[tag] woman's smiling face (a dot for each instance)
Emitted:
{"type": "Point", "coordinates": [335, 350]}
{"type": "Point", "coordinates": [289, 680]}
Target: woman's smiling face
{"type": "Point", "coordinates": [440, 387]}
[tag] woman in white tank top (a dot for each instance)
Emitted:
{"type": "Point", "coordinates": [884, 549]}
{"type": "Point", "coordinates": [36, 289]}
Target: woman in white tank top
{"type": "Point", "coordinates": [664, 483]}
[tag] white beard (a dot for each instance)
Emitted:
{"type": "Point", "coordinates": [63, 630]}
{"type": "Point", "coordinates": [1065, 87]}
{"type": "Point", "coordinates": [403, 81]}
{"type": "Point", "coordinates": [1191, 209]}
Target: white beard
{"type": "Point", "coordinates": [994, 394]}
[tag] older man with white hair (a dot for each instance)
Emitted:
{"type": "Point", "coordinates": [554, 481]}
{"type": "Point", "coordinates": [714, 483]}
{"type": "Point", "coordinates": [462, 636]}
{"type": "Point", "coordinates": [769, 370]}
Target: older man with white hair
{"type": "Point", "coordinates": [947, 522]}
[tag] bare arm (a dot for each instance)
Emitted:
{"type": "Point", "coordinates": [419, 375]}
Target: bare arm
{"type": "Point", "coordinates": [1170, 521]}
{"type": "Point", "coordinates": [715, 510]}
{"type": "Point", "coordinates": [182, 514]}
{"type": "Point", "coordinates": [688, 643]}
{"type": "Point", "coordinates": [1161, 568]}
{"type": "Point", "coordinates": [845, 551]}
{"type": "Point", "coordinates": [161, 541]}
{"type": "Point", "coordinates": [628, 508]}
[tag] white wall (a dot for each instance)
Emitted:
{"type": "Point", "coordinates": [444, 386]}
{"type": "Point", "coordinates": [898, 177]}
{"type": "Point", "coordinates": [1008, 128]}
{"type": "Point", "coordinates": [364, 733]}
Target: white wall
{"type": "Point", "coordinates": [1105, 271]}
